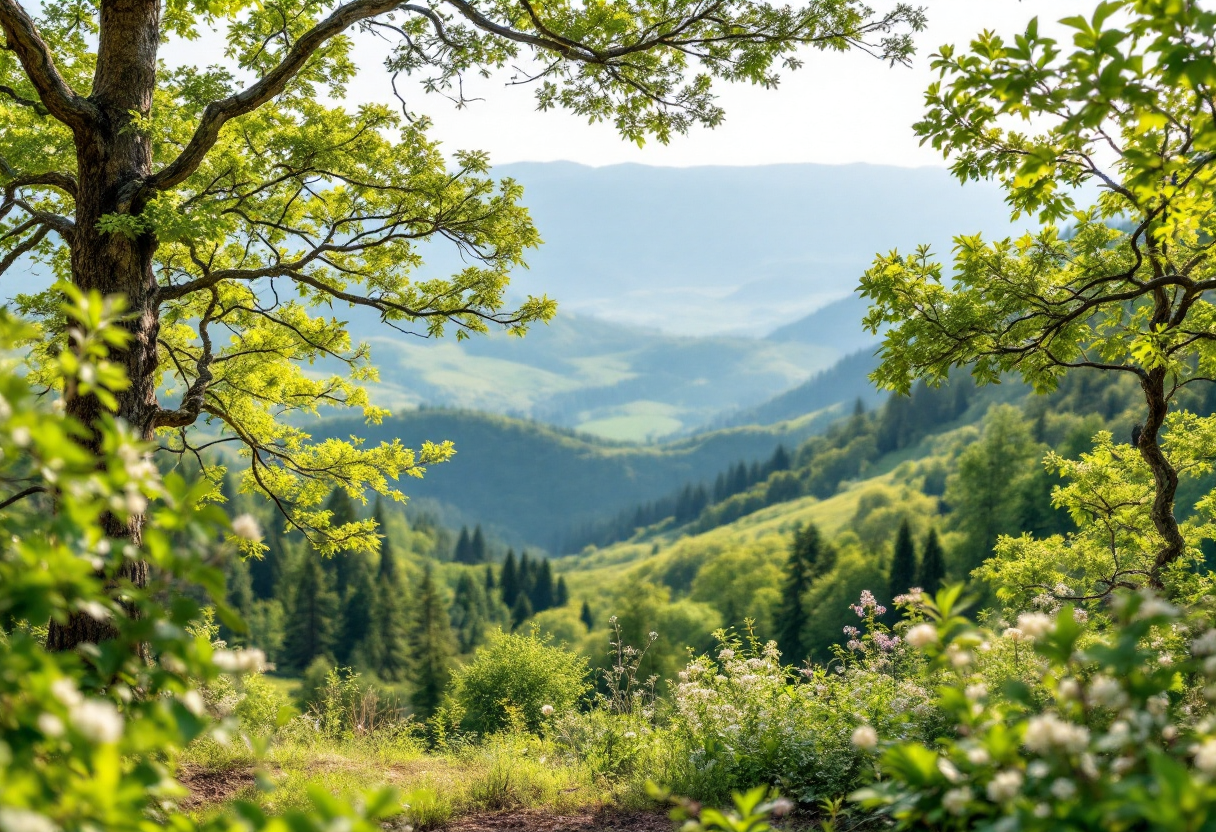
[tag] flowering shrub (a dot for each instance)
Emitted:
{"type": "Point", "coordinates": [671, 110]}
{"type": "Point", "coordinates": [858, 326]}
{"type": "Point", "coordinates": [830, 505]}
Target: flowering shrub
{"type": "Point", "coordinates": [87, 737]}
{"type": "Point", "coordinates": [744, 719]}
{"type": "Point", "coordinates": [1124, 738]}
{"type": "Point", "coordinates": [514, 677]}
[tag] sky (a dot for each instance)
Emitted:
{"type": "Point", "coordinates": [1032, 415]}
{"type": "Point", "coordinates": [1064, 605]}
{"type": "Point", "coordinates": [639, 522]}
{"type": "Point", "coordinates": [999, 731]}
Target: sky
{"type": "Point", "coordinates": [837, 109]}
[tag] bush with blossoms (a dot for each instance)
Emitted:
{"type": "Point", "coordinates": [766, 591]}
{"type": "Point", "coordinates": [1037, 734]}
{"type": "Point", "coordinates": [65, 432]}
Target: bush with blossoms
{"type": "Point", "coordinates": [88, 738]}
{"type": "Point", "coordinates": [742, 718]}
{"type": "Point", "coordinates": [1117, 732]}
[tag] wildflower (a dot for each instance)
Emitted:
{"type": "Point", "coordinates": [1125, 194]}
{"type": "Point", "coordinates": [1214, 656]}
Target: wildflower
{"type": "Point", "coordinates": [948, 770]}
{"type": "Point", "coordinates": [1107, 692]}
{"type": "Point", "coordinates": [64, 689]}
{"type": "Point", "coordinates": [1064, 789]}
{"type": "Point", "coordinates": [1154, 607]}
{"type": "Point", "coordinates": [955, 801]}
{"type": "Point", "coordinates": [977, 691]}
{"type": "Point", "coordinates": [852, 632]}
{"type": "Point", "coordinates": [23, 820]}
{"type": "Point", "coordinates": [1205, 756]}
{"type": "Point", "coordinates": [1038, 769]}
{"type": "Point", "coordinates": [239, 661]}
{"type": "Point", "coordinates": [631, 735]}
{"type": "Point", "coordinates": [193, 701]}
{"type": "Point", "coordinates": [1205, 645]}
{"type": "Point", "coordinates": [781, 807]}
{"type": "Point", "coordinates": [854, 644]}
{"type": "Point", "coordinates": [98, 720]}
{"type": "Point", "coordinates": [1014, 634]}
{"type": "Point", "coordinates": [547, 710]}
{"type": "Point", "coordinates": [95, 610]}
{"type": "Point", "coordinates": [246, 527]}
{"type": "Point", "coordinates": [21, 436]}
{"type": "Point", "coordinates": [1042, 811]}
{"type": "Point", "coordinates": [1079, 615]}
{"type": "Point", "coordinates": [50, 725]}
{"type": "Point", "coordinates": [922, 635]}
{"type": "Point", "coordinates": [1169, 733]}
{"type": "Point", "coordinates": [885, 642]}
{"type": "Point", "coordinates": [726, 655]}
{"type": "Point", "coordinates": [1035, 624]}
{"type": "Point", "coordinates": [978, 756]}
{"type": "Point", "coordinates": [1047, 731]}
{"type": "Point", "coordinates": [868, 602]}
{"type": "Point", "coordinates": [1005, 785]}
{"type": "Point", "coordinates": [865, 737]}
{"type": "Point", "coordinates": [1068, 689]}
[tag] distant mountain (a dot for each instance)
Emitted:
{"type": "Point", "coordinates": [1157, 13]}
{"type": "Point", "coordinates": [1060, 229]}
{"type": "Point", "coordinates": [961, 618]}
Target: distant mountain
{"type": "Point", "coordinates": [838, 324]}
{"type": "Point", "coordinates": [845, 382]}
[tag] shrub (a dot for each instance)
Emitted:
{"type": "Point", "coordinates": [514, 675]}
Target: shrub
{"type": "Point", "coordinates": [520, 675]}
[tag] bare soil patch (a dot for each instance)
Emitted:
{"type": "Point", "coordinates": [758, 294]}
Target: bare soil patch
{"type": "Point", "coordinates": [211, 786]}
{"type": "Point", "coordinates": [533, 820]}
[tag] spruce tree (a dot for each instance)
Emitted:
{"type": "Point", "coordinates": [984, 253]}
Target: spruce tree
{"type": "Point", "coordinates": [356, 607]}
{"type": "Point", "coordinates": [470, 613]}
{"type": "Point", "coordinates": [489, 583]}
{"type": "Point", "coordinates": [585, 616]}
{"type": "Point", "coordinates": [239, 596]}
{"type": "Point", "coordinates": [312, 616]}
{"type": "Point", "coordinates": [932, 572]}
{"type": "Point", "coordinates": [807, 560]}
{"type": "Point", "coordinates": [265, 572]}
{"type": "Point", "coordinates": [561, 594]}
{"type": "Point", "coordinates": [432, 642]}
{"type": "Point", "coordinates": [464, 547]}
{"type": "Point", "coordinates": [477, 547]}
{"type": "Point", "coordinates": [542, 591]}
{"type": "Point", "coordinates": [903, 564]}
{"type": "Point", "coordinates": [521, 611]}
{"type": "Point", "coordinates": [508, 580]}
{"type": "Point", "coordinates": [388, 647]}
{"type": "Point", "coordinates": [340, 566]}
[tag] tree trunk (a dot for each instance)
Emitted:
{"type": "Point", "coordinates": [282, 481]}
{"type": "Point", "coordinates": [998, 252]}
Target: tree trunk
{"type": "Point", "coordinates": [1165, 477]}
{"type": "Point", "coordinates": [109, 155]}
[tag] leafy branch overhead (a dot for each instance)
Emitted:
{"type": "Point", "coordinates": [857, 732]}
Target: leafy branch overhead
{"type": "Point", "coordinates": [1117, 286]}
{"type": "Point", "coordinates": [236, 204]}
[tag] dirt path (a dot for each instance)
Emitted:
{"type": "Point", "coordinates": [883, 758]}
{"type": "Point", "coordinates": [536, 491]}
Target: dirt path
{"type": "Point", "coordinates": [540, 821]}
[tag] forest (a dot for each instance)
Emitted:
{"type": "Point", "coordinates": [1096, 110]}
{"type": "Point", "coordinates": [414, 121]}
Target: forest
{"type": "Point", "coordinates": [951, 566]}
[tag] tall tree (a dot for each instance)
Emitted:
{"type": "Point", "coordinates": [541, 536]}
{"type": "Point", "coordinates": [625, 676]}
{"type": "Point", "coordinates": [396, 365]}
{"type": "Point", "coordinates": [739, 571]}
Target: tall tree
{"type": "Point", "coordinates": [312, 619]}
{"type": "Point", "coordinates": [266, 572]}
{"type": "Point", "coordinates": [542, 590]}
{"type": "Point", "coordinates": [508, 580]}
{"type": "Point", "coordinates": [463, 553]}
{"type": "Point", "coordinates": [388, 647]}
{"type": "Point", "coordinates": [224, 212]}
{"type": "Point", "coordinates": [477, 547]}
{"type": "Point", "coordinates": [521, 611]}
{"type": "Point", "coordinates": [1126, 290]}
{"type": "Point", "coordinates": [432, 642]}
{"type": "Point", "coordinates": [585, 616]}
{"type": "Point", "coordinates": [561, 593]}
{"type": "Point", "coordinates": [489, 583]}
{"type": "Point", "coordinates": [932, 572]}
{"type": "Point", "coordinates": [903, 563]}
{"type": "Point", "coordinates": [470, 613]}
{"type": "Point", "coordinates": [356, 618]}
{"type": "Point", "coordinates": [808, 557]}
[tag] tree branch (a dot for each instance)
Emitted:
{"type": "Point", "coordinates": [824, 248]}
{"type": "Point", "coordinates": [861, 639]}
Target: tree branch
{"type": "Point", "coordinates": [60, 100]}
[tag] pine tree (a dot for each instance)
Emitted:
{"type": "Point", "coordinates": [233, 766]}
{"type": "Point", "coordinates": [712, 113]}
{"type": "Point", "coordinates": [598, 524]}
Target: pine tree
{"type": "Point", "coordinates": [470, 613]}
{"type": "Point", "coordinates": [432, 642]}
{"type": "Point", "coordinates": [508, 579]}
{"type": "Point", "coordinates": [477, 547]}
{"type": "Point", "coordinates": [561, 594]}
{"type": "Point", "coordinates": [356, 607]}
{"type": "Point", "coordinates": [266, 572]}
{"type": "Point", "coordinates": [240, 597]}
{"type": "Point", "coordinates": [527, 575]}
{"type": "Point", "coordinates": [464, 547]}
{"type": "Point", "coordinates": [542, 592]}
{"type": "Point", "coordinates": [489, 583]}
{"type": "Point", "coordinates": [903, 564]}
{"type": "Point", "coordinates": [932, 572]}
{"type": "Point", "coordinates": [388, 640]}
{"type": "Point", "coordinates": [585, 616]}
{"type": "Point", "coordinates": [780, 460]}
{"type": "Point", "coordinates": [312, 618]}
{"type": "Point", "coordinates": [521, 611]}
{"type": "Point", "coordinates": [341, 566]}
{"type": "Point", "coordinates": [808, 559]}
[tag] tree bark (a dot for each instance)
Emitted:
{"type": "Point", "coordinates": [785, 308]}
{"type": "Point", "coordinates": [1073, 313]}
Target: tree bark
{"type": "Point", "coordinates": [110, 154]}
{"type": "Point", "coordinates": [1165, 477]}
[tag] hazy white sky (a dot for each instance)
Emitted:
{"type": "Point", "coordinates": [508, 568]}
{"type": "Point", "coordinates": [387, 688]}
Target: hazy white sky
{"type": "Point", "coordinates": [839, 108]}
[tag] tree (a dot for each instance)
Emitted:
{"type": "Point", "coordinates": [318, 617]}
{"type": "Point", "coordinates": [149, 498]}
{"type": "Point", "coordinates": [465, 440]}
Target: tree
{"type": "Point", "coordinates": [470, 613]}
{"type": "Point", "coordinates": [903, 562]}
{"type": "Point", "coordinates": [808, 559]}
{"type": "Point", "coordinates": [932, 572]}
{"type": "Point", "coordinates": [357, 607]}
{"type": "Point", "coordinates": [561, 593]}
{"type": "Point", "coordinates": [489, 583]}
{"type": "Point", "coordinates": [542, 590]}
{"type": "Point", "coordinates": [477, 547]}
{"type": "Point", "coordinates": [223, 213]}
{"type": "Point", "coordinates": [508, 580]}
{"type": "Point", "coordinates": [1124, 289]}
{"type": "Point", "coordinates": [267, 571]}
{"type": "Point", "coordinates": [521, 611]}
{"type": "Point", "coordinates": [432, 644]}
{"type": "Point", "coordinates": [463, 552]}
{"type": "Point", "coordinates": [388, 647]}
{"type": "Point", "coordinates": [585, 616]}
{"type": "Point", "coordinates": [312, 621]}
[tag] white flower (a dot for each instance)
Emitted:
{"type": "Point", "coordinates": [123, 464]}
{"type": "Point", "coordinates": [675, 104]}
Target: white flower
{"type": "Point", "coordinates": [246, 527]}
{"type": "Point", "coordinates": [781, 807]}
{"type": "Point", "coordinates": [1154, 607]}
{"type": "Point", "coordinates": [955, 801]}
{"type": "Point", "coordinates": [1169, 733]}
{"type": "Point", "coordinates": [1035, 624]}
{"type": "Point", "coordinates": [64, 689]}
{"type": "Point", "coordinates": [1013, 634]}
{"type": "Point", "coordinates": [1069, 689]}
{"type": "Point", "coordinates": [1038, 769]}
{"type": "Point", "coordinates": [95, 610]}
{"type": "Point", "coordinates": [23, 820]}
{"type": "Point", "coordinates": [547, 710]}
{"type": "Point", "coordinates": [630, 735]}
{"type": "Point", "coordinates": [239, 661]}
{"type": "Point", "coordinates": [726, 655]}
{"type": "Point", "coordinates": [193, 700]}
{"type": "Point", "coordinates": [1205, 756]}
{"type": "Point", "coordinates": [949, 770]}
{"type": "Point", "coordinates": [1042, 811]}
{"type": "Point", "coordinates": [1064, 789]}
{"type": "Point", "coordinates": [977, 691]}
{"type": "Point", "coordinates": [21, 436]}
{"type": "Point", "coordinates": [1046, 731]}
{"type": "Point", "coordinates": [865, 737]}
{"type": "Point", "coordinates": [50, 725]}
{"type": "Point", "coordinates": [1205, 645]}
{"type": "Point", "coordinates": [1107, 692]}
{"type": "Point", "coordinates": [97, 720]}
{"type": "Point", "coordinates": [1005, 785]}
{"type": "Point", "coordinates": [922, 635]}
{"type": "Point", "coordinates": [978, 756]}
